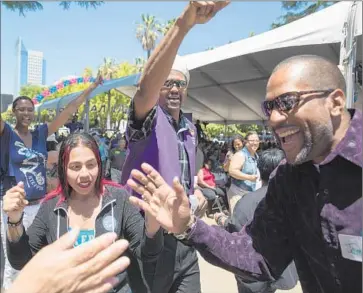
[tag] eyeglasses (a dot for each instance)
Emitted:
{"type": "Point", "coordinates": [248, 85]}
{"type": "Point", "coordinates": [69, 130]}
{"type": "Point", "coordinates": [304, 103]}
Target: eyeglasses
{"type": "Point", "coordinates": [253, 141]}
{"type": "Point", "coordinates": [181, 84]}
{"type": "Point", "coordinates": [288, 101]}
{"type": "Point", "coordinates": [22, 110]}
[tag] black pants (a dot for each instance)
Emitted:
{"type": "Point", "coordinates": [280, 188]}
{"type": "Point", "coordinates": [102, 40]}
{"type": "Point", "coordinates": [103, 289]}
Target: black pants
{"type": "Point", "coordinates": [255, 287]}
{"type": "Point", "coordinates": [211, 194]}
{"type": "Point", "coordinates": [177, 268]}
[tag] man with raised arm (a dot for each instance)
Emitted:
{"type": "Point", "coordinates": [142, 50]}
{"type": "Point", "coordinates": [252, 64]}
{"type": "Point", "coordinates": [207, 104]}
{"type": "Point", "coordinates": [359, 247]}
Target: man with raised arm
{"type": "Point", "coordinates": [160, 134]}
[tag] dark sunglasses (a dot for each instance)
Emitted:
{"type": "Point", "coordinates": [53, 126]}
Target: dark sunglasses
{"type": "Point", "coordinates": [288, 101]}
{"type": "Point", "coordinates": [181, 84]}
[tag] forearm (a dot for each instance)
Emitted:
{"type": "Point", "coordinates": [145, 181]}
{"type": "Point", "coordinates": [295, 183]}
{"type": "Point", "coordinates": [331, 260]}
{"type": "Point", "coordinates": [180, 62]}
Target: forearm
{"type": "Point", "coordinates": [76, 103]}
{"type": "Point", "coordinates": [230, 253]}
{"type": "Point", "coordinates": [15, 233]}
{"type": "Point", "coordinates": [151, 245]}
{"type": "Point", "coordinates": [236, 174]}
{"type": "Point", "coordinates": [158, 68]}
{"type": "Point", "coordinates": [203, 184]}
{"type": "Point", "coordinates": [17, 247]}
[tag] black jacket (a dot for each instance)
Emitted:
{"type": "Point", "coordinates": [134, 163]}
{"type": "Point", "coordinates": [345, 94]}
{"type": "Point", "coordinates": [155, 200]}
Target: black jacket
{"type": "Point", "coordinates": [243, 214]}
{"type": "Point", "coordinates": [116, 215]}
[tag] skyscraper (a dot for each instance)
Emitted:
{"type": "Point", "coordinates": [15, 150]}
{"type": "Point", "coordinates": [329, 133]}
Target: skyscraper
{"type": "Point", "coordinates": [31, 67]}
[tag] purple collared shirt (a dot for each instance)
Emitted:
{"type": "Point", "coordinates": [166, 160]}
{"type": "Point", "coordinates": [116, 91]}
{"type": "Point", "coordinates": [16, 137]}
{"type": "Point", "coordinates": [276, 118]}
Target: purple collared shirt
{"type": "Point", "coordinates": [304, 211]}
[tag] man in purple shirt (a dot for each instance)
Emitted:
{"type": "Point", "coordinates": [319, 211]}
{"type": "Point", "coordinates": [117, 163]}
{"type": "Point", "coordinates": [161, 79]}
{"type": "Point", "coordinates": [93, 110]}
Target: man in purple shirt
{"type": "Point", "coordinates": [312, 212]}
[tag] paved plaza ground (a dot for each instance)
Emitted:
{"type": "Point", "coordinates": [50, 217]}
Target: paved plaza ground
{"type": "Point", "coordinates": [216, 280]}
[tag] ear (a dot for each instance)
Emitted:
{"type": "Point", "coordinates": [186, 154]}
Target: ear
{"type": "Point", "coordinates": [337, 102]}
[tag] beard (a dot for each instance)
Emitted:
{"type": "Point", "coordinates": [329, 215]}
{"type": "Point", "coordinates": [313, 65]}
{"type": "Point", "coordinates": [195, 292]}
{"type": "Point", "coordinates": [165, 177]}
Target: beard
{"type": "Point", "coordinates": [318, 139]}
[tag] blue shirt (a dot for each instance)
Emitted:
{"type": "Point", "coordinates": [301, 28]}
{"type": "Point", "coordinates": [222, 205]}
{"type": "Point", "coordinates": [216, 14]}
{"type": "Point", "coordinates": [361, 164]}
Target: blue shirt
{"type": "Point", "coordinates": [29, 164]}
{"type": "Point", "coordinates": [84, 236]}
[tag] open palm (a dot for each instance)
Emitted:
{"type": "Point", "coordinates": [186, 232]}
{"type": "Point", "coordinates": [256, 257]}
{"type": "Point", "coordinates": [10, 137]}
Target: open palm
{"type": "Point", "coordinates": [169, 206]}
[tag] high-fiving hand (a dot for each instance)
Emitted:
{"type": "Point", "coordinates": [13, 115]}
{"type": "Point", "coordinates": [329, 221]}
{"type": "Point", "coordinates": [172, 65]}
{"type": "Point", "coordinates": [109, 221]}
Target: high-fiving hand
{"type": "Point", "coordinates": [169, 206]}
{"type": "Point", "coordinates": [91, 267]}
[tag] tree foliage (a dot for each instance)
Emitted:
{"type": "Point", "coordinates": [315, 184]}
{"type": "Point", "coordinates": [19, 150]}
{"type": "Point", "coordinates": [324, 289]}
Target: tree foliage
{"type": "Point", "coordinates": [31, 6]}
{"type": "Point", "coordinates": [299, 9]}
{"type": "Point", "coordinates": [220, 131]}
{"type": "Point", "coordinates": [119, 102]}
{"type": "Point", "coordinates": [165, 27]}
{"type": "Point", "coordinates": [147, 32]}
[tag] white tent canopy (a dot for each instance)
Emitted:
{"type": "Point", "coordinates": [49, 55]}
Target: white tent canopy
{"type": "Point", "coordinates": [228, 83]}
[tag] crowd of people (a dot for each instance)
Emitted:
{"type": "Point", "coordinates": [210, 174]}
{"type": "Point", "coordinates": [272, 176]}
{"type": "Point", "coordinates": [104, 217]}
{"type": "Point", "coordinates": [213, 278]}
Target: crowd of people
{"type": "Point", "coordinates": [85, 213]}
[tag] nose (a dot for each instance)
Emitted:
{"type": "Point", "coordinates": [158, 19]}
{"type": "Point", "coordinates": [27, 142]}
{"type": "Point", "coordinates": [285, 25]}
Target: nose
{"type": "Point", "coordinates": [277, 117]}
{"type": "Point", "coordinates": [83, 173]}
{"type": "Point", "coordinates": [174, 89]}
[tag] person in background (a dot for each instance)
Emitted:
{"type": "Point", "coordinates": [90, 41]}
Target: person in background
{"type": "Point", "coordinates": [116, 160]}
{"type": "Point", "coordinates": [243, 214]}
{"type": "Point", "coordinates": [243, 170]}
{"type": "Point", "coordinates": [199, 129]}
{"type": "Point", "coordinates": [84, 199]}
{"type": "Point", "coordinates": [74, 125]}
{"type": "Point", "coordinates": [236, 145]}
{"type": "Point", "coordinates": [24, 155]}
{"type": "Point", "coordinates": [312, 211]}
{"type": "Point", "coordinates": [159, 133]}
{"type": "Point", "coordinates": [207, 183]}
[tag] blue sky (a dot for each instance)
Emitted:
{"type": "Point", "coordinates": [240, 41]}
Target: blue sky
{"type": "Point", "coordinates": [75, 39]}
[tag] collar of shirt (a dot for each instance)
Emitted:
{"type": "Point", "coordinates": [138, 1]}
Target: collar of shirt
{"type": "Point", "coordinates": [350, 147]}
{"type": "Point", "coordinates": [183, 123]}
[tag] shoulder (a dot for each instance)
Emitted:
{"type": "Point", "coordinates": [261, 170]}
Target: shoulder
{"type": "Point", "coordinates": [49, 205]}
{"type": "Point", "coordinates": [119, 193]}
{"type": "Point", "coordinates": [7, 130]}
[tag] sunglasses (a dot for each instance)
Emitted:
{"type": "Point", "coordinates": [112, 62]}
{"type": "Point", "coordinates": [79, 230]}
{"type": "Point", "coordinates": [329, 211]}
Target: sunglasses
{"type": "Point", "coordinates": [288, 101]}
{"type": "Point", "coordinates": [181, 84]}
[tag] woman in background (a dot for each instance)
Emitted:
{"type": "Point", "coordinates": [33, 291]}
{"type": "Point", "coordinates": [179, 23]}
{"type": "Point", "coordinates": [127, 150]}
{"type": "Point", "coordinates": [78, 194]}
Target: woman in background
{"type": "Point", "coordinates": [24, 156]}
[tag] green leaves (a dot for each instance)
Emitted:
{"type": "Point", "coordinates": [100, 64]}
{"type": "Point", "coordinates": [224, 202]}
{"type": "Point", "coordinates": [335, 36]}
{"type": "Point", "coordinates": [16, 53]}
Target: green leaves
{"type": "Point", "coordinates": [32, 6]}
{"type": "Point", "coordinates": [299, 9]}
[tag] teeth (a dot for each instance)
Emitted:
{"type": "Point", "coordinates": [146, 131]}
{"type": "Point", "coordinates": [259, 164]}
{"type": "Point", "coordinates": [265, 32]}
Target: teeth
{"type": "Point", "coordinates": [287, 133]}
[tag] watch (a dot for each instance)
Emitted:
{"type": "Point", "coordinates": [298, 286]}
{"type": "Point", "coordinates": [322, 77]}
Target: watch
{"type": "Point", "coordinates": [190, 226]}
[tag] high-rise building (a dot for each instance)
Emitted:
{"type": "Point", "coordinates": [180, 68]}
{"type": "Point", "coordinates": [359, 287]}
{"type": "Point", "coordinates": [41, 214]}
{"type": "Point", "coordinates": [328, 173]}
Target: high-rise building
{"type": "Point", "coordinates": [31, 67]}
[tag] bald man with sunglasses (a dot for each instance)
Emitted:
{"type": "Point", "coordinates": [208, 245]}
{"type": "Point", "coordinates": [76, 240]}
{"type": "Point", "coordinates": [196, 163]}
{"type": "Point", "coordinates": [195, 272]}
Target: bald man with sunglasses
{"type": "Point", "coordinates": [312, 211]}
{"type": "Point", "coordinates": [159, 133]}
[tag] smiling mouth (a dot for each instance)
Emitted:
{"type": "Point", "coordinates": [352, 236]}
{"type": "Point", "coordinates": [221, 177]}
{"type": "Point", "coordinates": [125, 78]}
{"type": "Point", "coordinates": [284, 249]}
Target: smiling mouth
{"type": "Point", "coordinates": [84, 185]}
{"type": "Point", "coordinates": [286, 135]}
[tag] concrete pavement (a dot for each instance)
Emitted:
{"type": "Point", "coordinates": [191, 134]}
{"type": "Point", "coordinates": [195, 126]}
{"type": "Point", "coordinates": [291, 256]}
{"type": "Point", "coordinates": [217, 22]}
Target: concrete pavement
{"type": "Point", "coordinates": [216, 280]}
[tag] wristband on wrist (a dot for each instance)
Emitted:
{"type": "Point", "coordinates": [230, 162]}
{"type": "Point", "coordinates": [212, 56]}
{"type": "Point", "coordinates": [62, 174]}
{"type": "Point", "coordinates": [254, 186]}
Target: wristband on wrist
{"type": "Point", "coordinates": [189, 228]}
{"type": "Point", "coordinates": [17, 223]}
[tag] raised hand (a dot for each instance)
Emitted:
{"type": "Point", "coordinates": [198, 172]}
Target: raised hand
{"type": "Point", "coordinates": [14, 202]}
{"type": "Point", "coordinates": [60, 268]}
{"type": "Point", "coordinates": [169, 206]}
{"type": "Point", "coordinates": [199, 12]}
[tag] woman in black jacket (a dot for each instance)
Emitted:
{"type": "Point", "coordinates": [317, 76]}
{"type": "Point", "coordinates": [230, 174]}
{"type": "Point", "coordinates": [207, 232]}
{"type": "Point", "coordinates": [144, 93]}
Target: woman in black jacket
{"type": "Point", "coordinates": [84, 199]}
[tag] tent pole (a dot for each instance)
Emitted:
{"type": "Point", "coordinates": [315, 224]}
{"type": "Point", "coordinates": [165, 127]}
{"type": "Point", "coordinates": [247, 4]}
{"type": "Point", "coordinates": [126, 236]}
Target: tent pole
{"type": "Point", "coordinates": [348, 54]}
{"type": "Point", "coordinates": [86, 116]}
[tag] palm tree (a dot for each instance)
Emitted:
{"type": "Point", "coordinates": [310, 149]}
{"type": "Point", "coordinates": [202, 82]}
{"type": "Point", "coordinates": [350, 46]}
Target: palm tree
{"type": "Point", "coordinates": [140, 63]}
{"type": "Point", "coordinates": [147, 33]}
{"type": "Point", "coordinates": [163, 29]}
{"type": "Point", "coordinates": [30, 6]}
{"type": "Point", "coordinates": [108, 70]}
{"type": "Point", "coordinates": [299, 9]}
